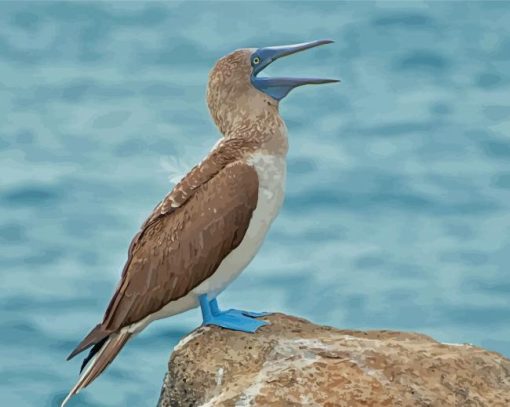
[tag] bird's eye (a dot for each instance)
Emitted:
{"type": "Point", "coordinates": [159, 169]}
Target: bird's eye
{"type": "Point", "coordinates": [256, 61]}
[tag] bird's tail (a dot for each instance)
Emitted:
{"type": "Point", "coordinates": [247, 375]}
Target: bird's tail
{"type": "Point", "coordinates": [99, 362]}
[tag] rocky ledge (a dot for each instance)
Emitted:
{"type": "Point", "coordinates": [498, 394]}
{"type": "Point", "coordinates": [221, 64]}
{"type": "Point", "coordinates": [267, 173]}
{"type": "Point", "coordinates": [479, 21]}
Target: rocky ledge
{"type": "Point", "coordinates": [293, 362]}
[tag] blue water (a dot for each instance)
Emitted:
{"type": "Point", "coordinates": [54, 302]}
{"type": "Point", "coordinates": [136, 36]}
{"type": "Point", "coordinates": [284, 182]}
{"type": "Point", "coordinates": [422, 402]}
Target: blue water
{"type": "Point", "coordinates": [397, 213]}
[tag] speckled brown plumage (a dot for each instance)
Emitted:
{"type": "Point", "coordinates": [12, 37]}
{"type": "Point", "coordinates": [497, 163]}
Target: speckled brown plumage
{"type": "Point", "coordinates": [176, 253]}
{"type": "Point", "coordinates": [159, 269]}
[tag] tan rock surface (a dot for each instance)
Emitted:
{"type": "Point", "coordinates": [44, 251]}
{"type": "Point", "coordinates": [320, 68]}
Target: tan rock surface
{"type": "Point", "coordinates": [293, 362]}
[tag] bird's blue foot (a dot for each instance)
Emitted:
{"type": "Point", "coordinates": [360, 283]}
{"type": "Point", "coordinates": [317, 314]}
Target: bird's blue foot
{"type": "Point", "coordinates": [213, 304]}
{"type": "Point", "coordinates": [234, 319]}
{"type": "Point", "coordinates": [250, 313]}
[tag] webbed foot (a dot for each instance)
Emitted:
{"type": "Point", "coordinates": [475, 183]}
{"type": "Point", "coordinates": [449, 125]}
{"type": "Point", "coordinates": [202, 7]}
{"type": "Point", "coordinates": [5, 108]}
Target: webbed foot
{"type": "Point", "coordinates": [237, 320]}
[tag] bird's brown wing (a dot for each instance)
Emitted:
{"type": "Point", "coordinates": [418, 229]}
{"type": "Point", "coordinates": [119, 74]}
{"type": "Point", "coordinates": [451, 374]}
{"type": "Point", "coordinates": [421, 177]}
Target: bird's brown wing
{"type": "Point", "coordinates": [181, 246]}
{"type": "Point", "coordinates": [180, 250]}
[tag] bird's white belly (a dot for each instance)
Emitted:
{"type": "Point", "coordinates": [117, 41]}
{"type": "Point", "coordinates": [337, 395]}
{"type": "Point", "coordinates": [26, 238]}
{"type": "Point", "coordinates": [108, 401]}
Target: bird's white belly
{"type": "Point", "coordinates": [271, 171]}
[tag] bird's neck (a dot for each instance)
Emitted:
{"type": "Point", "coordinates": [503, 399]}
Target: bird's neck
{"type": "Point", "coordinates": [263, 129]}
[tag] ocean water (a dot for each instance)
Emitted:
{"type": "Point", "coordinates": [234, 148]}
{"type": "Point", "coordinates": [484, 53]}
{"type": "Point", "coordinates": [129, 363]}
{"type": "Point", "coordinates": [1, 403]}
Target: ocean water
{"type": "Point", "coordinates": [397, 213]}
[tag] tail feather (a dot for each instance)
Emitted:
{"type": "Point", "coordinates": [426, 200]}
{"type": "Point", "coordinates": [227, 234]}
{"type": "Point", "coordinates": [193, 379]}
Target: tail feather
{"type": "Point", "coordinates": [99, 362]}
{"type": "Point", "coordinates": [97, 334]}
{"type": "Point", "coordinates": [96, 348]}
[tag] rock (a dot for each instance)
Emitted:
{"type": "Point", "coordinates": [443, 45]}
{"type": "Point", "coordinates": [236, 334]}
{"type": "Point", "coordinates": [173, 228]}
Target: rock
{"type": "Point", "coordinates": [293, 362]}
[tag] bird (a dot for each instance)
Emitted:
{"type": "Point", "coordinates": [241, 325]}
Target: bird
{"type": "Point", "coordinates": [209, 227]}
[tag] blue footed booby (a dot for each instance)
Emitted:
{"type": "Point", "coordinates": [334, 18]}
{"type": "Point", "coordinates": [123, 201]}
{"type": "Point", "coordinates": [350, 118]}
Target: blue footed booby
{"type": "Point", "coordinates": [208, 228]}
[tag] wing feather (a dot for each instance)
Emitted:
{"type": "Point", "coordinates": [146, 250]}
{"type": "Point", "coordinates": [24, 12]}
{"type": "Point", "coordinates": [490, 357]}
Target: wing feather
{"type": "Point", "coordinates": [181, 249]}
{"type": "Point", "coordinates": [184, 239]}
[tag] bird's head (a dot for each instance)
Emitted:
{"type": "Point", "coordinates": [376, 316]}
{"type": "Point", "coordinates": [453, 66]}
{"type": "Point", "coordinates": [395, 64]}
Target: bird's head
{"type": "Point", "coordinates": [237, 90]}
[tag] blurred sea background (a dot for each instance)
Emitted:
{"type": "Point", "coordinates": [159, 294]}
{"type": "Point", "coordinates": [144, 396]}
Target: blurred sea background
{"type": "Point", "coordinates": [397, 214]}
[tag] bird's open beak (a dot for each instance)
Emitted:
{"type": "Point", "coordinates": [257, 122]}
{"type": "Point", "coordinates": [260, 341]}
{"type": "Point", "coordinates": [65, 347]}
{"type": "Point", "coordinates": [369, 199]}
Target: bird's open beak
{"type": "Point", "coordinates": [278, 88]}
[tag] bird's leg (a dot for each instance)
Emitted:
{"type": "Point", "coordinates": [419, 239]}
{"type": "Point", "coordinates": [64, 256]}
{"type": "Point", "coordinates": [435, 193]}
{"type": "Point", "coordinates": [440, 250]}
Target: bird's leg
{"type": "Point", "coordinates": [214, 306]}
{"type": "Point", "coordinates": [205, 307]}
{"type": "Point", "coordinates": [232, 319]}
